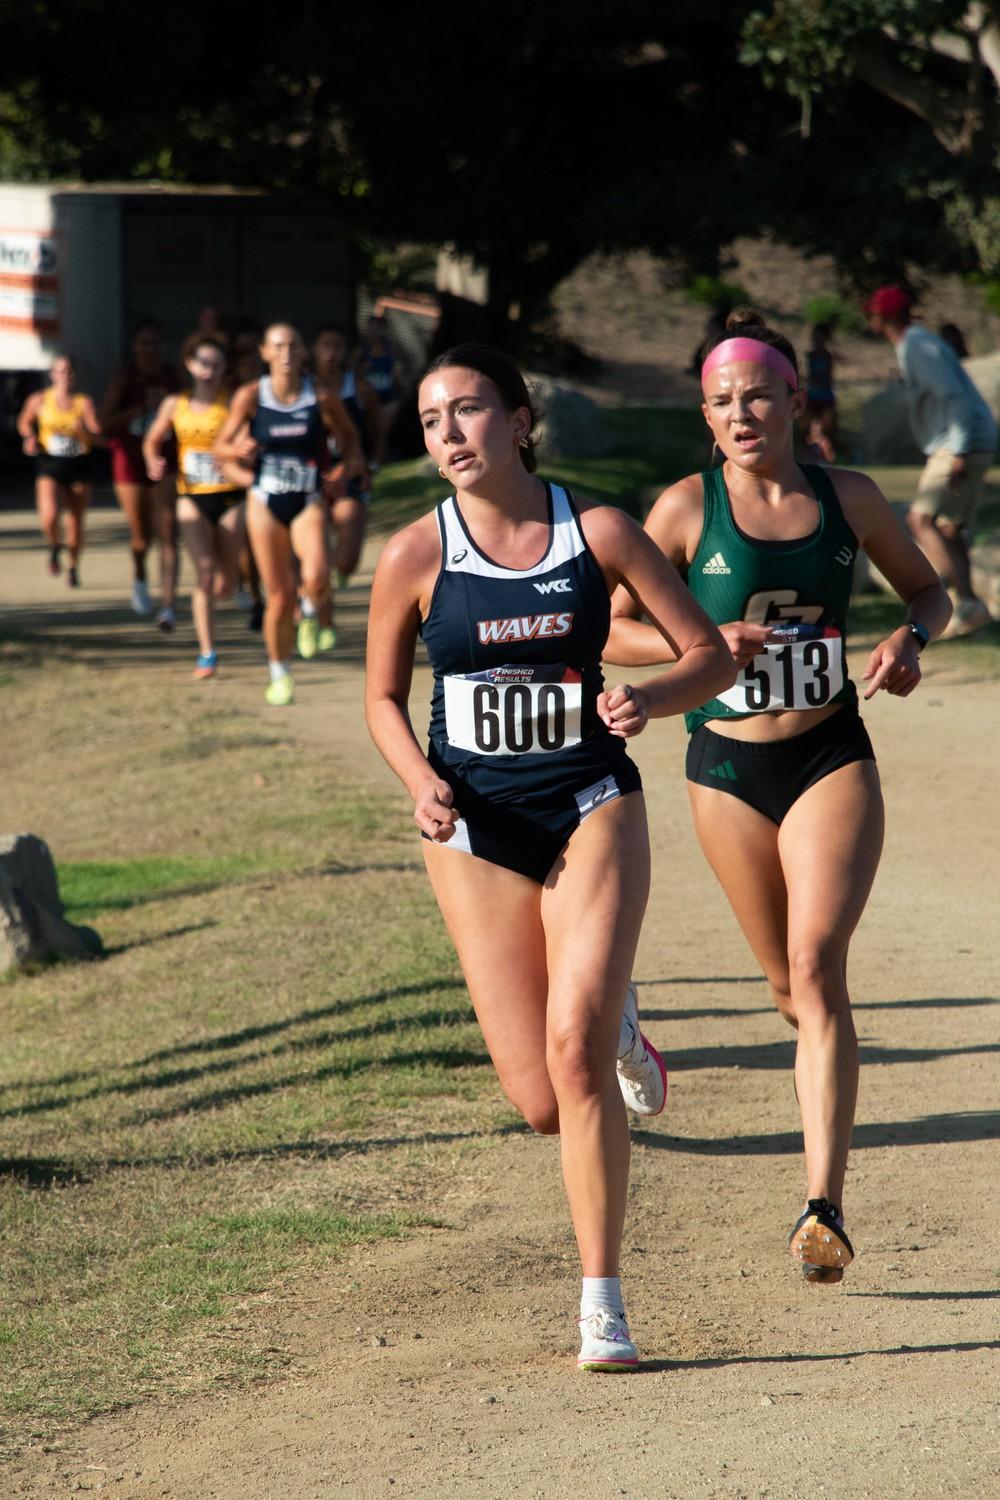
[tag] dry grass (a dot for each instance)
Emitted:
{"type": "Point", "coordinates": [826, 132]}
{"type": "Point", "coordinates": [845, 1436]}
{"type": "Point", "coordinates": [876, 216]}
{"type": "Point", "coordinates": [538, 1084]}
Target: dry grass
{"type": "Point", "coordinates": [197, 1117]}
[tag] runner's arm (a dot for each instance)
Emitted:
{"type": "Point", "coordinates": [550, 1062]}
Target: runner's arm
{"type": "Point", "coordinates": [26, 423]}
{"type": "Point", "coordinates": [90, 422]}
{"type": "Point", "coordinates": [156, 464]}
{"type": "Point", "coordinates": [703, 663]}
{"type": "Point", "coordinates": [374, 416]}
{"type": "Point", "coordinates": [674, 523]}
{"type": "Point", "coordinates": [337, 420]}
{"type": "Point", "coordinates": [895, 662]}
{"type": "Point", "coordinates": [393, 626]}
{"type": "Point", "coordinates": [235, 443]}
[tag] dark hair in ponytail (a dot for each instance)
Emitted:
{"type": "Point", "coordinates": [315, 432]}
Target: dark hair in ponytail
{"type": "Point", "coordinates": [747, 323]}
{"type": "Point", "coordinates": [503, 372]}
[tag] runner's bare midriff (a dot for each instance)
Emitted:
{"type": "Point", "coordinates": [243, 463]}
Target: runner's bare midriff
{"type": "Point", "coordinates": [783, 724]}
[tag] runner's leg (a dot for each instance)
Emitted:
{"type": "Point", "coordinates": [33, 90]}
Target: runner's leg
{"type": "Point", "coordinates": [503, 960]}
{"type": "Point", "coordinates": [47, 505]}
{"type": "Point", "coordinates": [272, 549]}
{"type": "Point", "coordinates": [349, 518]}
{"type": "Point", "coordinates": [136, 502]}
{"type": "Point", "coordinates": [164, 500]}
{"type": "Point", "coordinates": [310, 544]}
{"type": "Point", "coordinates": [77, 501]}
{"type": "Point", "coordinates": [829, 843]}
{"type": "Point", "coordinates": [592, 908]}
{"type": "Point", "coordinates": [199, 540]}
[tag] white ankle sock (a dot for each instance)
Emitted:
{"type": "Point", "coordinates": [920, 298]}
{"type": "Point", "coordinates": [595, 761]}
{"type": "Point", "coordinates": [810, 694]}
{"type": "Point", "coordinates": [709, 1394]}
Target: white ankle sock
{"type": "Point", "coordinates": [601, 1291]}
{"type": "Point", "coordinates": [277, 669]}
{"type": "Point", "coordinates": [307, 607]}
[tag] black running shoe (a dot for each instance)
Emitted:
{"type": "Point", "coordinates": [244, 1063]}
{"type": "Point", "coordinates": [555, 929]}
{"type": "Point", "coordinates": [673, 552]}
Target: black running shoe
{"type": "Point", "coordinates": [256, 617]}
{"type": "Point", "coordinates": [820, 1242]}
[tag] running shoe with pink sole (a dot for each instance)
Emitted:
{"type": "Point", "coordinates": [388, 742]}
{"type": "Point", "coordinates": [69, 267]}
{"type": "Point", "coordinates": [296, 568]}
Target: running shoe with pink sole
{"type": "Point", "coordinates": [642, 1073]}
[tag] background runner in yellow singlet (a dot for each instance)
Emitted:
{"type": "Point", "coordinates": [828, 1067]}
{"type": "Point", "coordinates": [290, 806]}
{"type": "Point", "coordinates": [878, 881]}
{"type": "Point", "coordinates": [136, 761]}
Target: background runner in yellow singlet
{"type": "Point", "coordinates": [57, 427]}
{"type": "Point", "coordinates": [209, 505]}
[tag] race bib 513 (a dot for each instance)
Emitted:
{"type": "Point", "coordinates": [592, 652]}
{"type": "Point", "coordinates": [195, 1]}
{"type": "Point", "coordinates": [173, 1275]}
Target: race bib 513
{"type": "Point", "coordinates": [802, 668]}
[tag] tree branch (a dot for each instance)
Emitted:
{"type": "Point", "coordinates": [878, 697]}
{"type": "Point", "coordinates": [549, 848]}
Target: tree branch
{"type": "Point", "coordinates": [881, 72]}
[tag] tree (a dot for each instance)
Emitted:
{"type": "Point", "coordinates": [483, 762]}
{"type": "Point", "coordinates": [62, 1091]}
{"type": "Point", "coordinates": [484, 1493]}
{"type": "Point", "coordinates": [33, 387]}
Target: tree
{"type": "Point", "coordinates": [530, 135]}
{"type": "Point", "coordinates": [932, 70]}
{"type": "Point", "coordinates": [526, 135]}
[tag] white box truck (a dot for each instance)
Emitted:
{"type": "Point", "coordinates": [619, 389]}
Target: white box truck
{"type": "Point", "coordinates": [79, 264]}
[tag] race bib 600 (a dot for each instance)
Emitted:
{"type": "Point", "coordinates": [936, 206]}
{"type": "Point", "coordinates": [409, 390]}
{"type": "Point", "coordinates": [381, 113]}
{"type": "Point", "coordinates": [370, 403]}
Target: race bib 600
{"type": "Point", "coordinates": [803, 668]}
{"type": "Point", "coordinates": [514, 710]}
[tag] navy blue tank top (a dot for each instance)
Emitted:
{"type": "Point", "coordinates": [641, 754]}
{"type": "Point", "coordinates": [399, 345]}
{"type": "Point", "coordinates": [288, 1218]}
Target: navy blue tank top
{"type": "Point", "coordinates": [290, 441]}
{"type": "Point", "coordinates": [516, 654]}
{"type": "Point", "coordinates": [351, 403]}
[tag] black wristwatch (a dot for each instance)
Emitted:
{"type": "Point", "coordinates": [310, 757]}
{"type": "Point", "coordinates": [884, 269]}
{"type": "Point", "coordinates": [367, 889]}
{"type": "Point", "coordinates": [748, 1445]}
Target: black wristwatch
{"type": "Point", "coordinates": [920, 632]}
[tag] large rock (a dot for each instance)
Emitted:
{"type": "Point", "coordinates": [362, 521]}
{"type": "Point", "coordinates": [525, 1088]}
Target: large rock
{"type": "Point", "coordinates": [572, 425]}
{"type": "Point", "coordinates": [886, 434]}
{"type": "Point", "coordinates": [32, 926]}
{"type": "Point", "coordinates": [984, 371]}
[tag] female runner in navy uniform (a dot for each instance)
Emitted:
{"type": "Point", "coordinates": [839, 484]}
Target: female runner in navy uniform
{"type": "Point", "coordinates": [782, 778]}
{"type": "Point", "coordinates": [533, 820]}
{"type": "Point", "coordinates": [274, 442]}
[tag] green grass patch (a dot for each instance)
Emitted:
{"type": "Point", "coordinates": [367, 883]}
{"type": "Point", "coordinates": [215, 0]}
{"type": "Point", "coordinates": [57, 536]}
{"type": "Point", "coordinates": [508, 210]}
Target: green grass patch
{"type": "Point", "coordinates": [171, 1311]}
{"type": "Point", "coordinates": [90, 887]}
{"type": "Point", "coordinates": [275, 1060]}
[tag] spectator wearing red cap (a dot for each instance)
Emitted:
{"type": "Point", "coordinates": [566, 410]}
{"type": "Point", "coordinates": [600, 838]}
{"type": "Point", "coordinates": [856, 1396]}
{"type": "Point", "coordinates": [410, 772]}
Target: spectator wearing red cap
{"type": "Point", "coordinates": [955, 429]}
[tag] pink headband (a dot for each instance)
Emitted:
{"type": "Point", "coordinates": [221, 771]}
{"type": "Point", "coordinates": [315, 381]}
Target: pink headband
{"type": "Point", "coordinates": [751, 352]}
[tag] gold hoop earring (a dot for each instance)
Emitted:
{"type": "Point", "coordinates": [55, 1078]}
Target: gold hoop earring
{"type": "Point", "coordinates": [443, 473]}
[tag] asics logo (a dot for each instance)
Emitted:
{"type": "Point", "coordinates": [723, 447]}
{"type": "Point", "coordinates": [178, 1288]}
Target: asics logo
{"type": "Point", "coordinates": [458, 557]}
{"type": "Point", "coordinates": [555, 586]}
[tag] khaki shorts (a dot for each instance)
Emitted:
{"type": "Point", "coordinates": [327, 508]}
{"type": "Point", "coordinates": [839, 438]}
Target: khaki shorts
{"type": "Point", "coordinates": [936, 498]}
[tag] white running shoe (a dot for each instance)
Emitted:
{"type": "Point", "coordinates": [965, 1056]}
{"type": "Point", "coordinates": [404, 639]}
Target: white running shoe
{"type": "Point", "coordinates": [642, 1073]}
{"type": "Point", "coordinates": [142, 604]}
{"type": "Point", "coordinates": [969, 615]}
{"type": "Point", "coordinates": [605, 1342]}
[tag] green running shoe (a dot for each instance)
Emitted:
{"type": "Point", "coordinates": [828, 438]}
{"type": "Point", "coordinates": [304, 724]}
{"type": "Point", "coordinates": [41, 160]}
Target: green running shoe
{"type": "Point", "coordinates": [307, 637]}
{"type": "Point", "coordinates": [280, 692]}
{"type": "Point", "coordinates": [327, 638]}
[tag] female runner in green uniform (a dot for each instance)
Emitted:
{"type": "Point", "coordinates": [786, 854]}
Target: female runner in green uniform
{"type": "Point", "coordinates": [782, 778]}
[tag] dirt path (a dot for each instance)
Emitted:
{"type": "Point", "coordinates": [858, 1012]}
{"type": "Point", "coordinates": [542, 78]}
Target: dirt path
{"type": "Point", "coordinates": [443, 1366]}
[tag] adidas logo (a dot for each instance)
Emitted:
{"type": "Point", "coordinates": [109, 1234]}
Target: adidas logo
{"type": "Point", "coordinates": [716, 564]}
{"type": "Point", "coordinates": [724, 771]}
